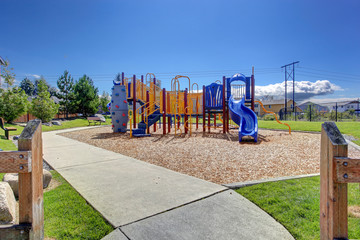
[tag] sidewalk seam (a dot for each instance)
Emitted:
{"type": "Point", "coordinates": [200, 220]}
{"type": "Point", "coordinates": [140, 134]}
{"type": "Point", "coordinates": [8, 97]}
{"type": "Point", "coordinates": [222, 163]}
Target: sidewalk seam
{"type": "Point", "coordinates": [124, 233]}
{"type": "Point", "coordinates": [170, 209]}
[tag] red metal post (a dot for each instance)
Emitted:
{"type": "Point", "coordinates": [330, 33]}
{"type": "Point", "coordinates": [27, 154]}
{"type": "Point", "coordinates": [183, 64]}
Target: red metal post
{"type": "Point", "coordinates": [142, 87]}
{"type": "Point", "coordinates": [186, 111]}
{"type": "Point", "coordinates": [252, 90]}
{"type": "Point", "coordinates": [204, 115]}
{"type": "Point", "coordinates": [169, 117]}
{"type": "Point", "coordinates": [178, 110]}
{"type": "Point", "coordinates": [134, 100]}
{"type": "Point", "coordinates": [148, 111]}
{"type": "Point", "coordinates": [224, 105]}
{"type": "Point", "coordinates": [142, 98]}
{"type": "Point", "coordinates": [154, 101]}
{"type": "Point", "coordinates": [209, 119]}
{"type": "Point", "coordinates": [164, 111]}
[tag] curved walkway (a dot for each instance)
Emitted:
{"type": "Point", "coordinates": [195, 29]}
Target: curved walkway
{"type": "Point", "coordinates": [144, 201]}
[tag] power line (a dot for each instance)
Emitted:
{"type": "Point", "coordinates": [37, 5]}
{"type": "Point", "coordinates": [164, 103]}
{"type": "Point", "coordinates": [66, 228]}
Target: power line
{"type": "Point", "coordinates": [328, 75]}
{"type": "Point", "coordinates": [321, 70]}
{"type": "Point", "coordinates": [317, 76]}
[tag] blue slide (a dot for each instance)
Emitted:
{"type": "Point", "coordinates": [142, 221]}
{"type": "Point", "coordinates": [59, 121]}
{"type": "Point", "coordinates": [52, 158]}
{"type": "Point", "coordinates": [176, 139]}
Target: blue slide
{"type": "Point", "coordinates": [244, 117]}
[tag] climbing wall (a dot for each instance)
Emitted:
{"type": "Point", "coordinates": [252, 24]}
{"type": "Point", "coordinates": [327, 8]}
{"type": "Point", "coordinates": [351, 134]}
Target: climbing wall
{"type": "Point", "coordinates": [119, 108]}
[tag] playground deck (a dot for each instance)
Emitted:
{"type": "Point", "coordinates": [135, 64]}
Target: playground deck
{"type": "Point", "coordinates": [216, 157]}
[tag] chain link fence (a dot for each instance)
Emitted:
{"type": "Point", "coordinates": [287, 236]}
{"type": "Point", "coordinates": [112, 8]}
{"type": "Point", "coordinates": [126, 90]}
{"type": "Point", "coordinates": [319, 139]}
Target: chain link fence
{"type": "Point", "coordinates": [341, 111]}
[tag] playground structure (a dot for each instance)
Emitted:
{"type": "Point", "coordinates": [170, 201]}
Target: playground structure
{"type": "Point", "coordinates": [151, 105]}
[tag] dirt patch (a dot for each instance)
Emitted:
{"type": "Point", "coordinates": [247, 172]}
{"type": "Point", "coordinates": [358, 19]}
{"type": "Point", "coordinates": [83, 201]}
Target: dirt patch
{"type": "Point", "coordinates": [354, 211]}
{"type": "Point", "coordinates": [217, 157]}
{"type": "Point", "coordinates": [52, 185]}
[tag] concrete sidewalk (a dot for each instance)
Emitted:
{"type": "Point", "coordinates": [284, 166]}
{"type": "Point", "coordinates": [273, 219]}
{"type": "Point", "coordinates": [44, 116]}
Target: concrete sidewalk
{"type": "Point", "coordinates": [144, 201]}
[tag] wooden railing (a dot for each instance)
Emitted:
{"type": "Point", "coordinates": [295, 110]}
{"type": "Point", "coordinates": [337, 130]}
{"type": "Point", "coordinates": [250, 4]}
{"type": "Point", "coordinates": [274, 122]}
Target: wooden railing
{"type": "Point", "coordinates": [336, 170]}
{"type": "Point", "coordinates": [28, 163]}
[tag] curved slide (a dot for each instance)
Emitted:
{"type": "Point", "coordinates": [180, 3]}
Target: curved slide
{"type": "Point", "coordinates": [244, 117]}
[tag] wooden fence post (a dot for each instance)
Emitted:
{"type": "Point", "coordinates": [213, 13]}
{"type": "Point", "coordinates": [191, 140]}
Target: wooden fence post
{"type": "Point", "coordinates": [28, 162]}
{"type": "Point", "coordinates": [336, 170]}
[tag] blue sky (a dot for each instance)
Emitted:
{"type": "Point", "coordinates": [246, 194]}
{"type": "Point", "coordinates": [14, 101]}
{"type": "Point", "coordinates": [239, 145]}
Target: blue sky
{"type": "Point", "coordinates": [202, 39]}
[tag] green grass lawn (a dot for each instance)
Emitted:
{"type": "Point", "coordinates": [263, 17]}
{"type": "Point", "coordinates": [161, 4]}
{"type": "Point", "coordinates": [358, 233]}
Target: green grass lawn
{"type": "Point", "coordinates": [7, 145]}
{"type": "Point", "coordinates": [80, 122]}
{"type": "Point", "coordinates": [296, 205]}
{"type": "Point", "coordinates": [67, 215]}
{"type": "Point", "coordinates": [349, 128]}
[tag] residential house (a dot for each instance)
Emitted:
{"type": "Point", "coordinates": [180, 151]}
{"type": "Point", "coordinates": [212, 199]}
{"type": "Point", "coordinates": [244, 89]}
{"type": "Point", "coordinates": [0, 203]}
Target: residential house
{"type": "Point", "coordinates": [276, 106]}
{"type": "Point", "coordinates": [344, 106]}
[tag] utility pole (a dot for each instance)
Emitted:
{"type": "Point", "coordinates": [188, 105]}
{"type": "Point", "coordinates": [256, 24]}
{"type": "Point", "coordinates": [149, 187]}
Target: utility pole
{"type": "Point", "coordinates": [290, 74]}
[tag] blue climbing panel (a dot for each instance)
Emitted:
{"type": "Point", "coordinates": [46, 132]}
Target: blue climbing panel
{"type": "Point", "coordinates": [214, 96]}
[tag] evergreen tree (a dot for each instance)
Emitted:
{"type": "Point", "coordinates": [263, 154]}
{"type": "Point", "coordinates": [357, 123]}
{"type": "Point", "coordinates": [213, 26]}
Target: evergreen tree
{"type": "Point", "coordinates": [104, 100]}
{"type": "Point", "coordinates": [50, 89]}
{"type": "Point", "coordinates": [66, 93]}
{"type": "Point", "coordinates": [28, 86]}
{"type": "Point", "coordinates": [86, 96]}
{"type": "Point", "coordinates": [43, 107]}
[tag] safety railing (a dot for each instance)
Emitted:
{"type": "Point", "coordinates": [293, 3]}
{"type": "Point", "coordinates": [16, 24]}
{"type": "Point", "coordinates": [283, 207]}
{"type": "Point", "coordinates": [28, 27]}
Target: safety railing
{"type": "Point", "coordinates": [146, 112]}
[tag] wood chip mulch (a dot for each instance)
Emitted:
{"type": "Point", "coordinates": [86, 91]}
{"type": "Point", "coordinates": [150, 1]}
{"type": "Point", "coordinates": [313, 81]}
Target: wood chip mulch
{"type": "Point", "coordinates": [217, 157]}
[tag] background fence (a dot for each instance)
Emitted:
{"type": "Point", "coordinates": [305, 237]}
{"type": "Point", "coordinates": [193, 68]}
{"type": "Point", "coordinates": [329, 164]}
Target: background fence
{"type": "Point", "coordinates": [328, 111]}
{"type": "Point", "coordinates": [27, 117]}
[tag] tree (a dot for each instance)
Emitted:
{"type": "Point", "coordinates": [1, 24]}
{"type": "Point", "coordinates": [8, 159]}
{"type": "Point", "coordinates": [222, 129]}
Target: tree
{"type": "Point", "coordinates": [28, 86]}
{"type": "Point", "coordinates": [86, 96]}
{"type": "Point", "coordinates": [42, 106]}
{"type": "Point", "coordinates": [311, 112]}
{"type": "Point", "coordinates": [104, 100]}
{"type": "Point", "coordinates": [13, 101]}
{"type": "Point", "coordinates": [50, 89]}
{"type": "Point", "coordinates": [66, 93]}
{"type": "Point", "coordinates": [8, 75]}
{"type": "Point", "coordinates": [13, 104]}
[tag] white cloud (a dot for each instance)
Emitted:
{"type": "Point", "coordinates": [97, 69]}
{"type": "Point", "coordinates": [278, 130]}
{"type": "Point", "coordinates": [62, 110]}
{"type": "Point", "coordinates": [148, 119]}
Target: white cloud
{"type": "Point", "coordinates": [35, 75]}
{"type": "Point", "coordinates": [303, 89]}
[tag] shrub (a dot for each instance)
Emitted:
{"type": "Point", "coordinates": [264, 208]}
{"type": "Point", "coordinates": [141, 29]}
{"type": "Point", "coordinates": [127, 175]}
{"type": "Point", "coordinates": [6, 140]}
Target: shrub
{"type": "Point", "coordinates": [269, 117]}
{"type": "Point", "coordinates": [13, 104]}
